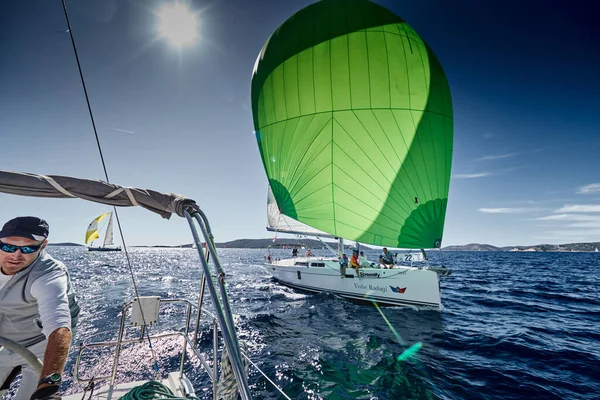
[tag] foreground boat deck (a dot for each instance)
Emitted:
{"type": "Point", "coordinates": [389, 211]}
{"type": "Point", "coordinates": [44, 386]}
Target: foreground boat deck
{"type": "Point", "coordinates": [103, 393]}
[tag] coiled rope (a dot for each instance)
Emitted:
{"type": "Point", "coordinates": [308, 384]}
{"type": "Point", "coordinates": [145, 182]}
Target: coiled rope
{"type": "Point", "coordinates": [227, 390]}
{"type": "Point", "coordinates": [152, 390]}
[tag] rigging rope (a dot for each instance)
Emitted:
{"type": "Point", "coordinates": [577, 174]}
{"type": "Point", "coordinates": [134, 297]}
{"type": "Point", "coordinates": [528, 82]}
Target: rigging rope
{"type": "Point", "coordinates": [300, 237]}
{"type": "Point", "coordinates": [137, 295]}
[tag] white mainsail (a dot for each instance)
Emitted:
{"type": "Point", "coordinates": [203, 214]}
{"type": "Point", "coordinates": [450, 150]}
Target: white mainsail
{"type": "Point", "coordinates": [278, 222]}
{"type": "Point", "coordinates": [108, 239]}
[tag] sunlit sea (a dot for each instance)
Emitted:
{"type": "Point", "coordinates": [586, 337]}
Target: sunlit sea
{"type": "Point", "coordinates": [513, 326]}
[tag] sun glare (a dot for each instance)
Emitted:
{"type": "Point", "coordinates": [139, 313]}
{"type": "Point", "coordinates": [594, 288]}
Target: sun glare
{"type": "Point", "coordinates": [178, 25]}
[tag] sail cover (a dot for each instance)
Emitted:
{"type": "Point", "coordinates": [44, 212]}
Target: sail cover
{"type": "Point", "coordinates": [279, 222]}
{"type": "Point", "coordinates": [353, 119]}
{"type": "Point", "coordinates": [33, 185]}
{"type": "Point", "coordinates": [91, 233]}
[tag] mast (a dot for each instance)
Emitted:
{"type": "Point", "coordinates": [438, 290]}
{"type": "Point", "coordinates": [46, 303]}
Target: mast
{"type": "Point", "coordinates": [340, 247]}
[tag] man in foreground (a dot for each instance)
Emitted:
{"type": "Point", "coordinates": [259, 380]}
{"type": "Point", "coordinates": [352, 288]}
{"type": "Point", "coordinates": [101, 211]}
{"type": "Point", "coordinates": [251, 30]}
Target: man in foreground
{"type": "Point", "coordinates": [38, 307]}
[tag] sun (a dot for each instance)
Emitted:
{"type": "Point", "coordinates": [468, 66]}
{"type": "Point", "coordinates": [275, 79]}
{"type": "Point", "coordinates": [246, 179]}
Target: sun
{"type": "Point", "coordinates": [178, 25]}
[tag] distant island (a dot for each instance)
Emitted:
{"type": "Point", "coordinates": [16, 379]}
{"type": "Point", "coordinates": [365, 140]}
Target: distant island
{"type": "Point", "coordinates": [315, 244]}
{"type": "Point", "coordinates": [569, 247]}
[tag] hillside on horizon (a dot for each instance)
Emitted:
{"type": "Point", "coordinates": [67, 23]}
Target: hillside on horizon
{"type": "Point", "coordinates": [567, 247]}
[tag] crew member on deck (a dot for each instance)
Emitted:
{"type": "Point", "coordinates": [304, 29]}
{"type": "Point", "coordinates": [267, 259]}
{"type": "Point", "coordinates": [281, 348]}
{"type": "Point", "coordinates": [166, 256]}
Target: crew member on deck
{"type": "Point", "coordinates": [386, 259]}
{"type": "Point", "coordinates": [343, 264]}
{"type": "Point", "coordinates": [354, 261]}
{"type": "Point", "coordinates": [38, 308]}
{"type": "Point", "coordinates": [362, 261]}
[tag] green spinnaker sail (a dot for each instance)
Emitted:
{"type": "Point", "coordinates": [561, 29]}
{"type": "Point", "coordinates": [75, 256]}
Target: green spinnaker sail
{"type": "Point", "coordinates": [353, 119]}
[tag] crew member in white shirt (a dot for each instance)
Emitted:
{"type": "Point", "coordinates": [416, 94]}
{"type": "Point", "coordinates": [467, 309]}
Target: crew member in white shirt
{"type": "Point", "coordinates": [38, 308]}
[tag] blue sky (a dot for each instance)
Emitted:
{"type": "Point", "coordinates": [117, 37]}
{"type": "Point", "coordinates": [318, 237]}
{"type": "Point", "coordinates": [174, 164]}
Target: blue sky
{"type": "Point", "coordinates": [524, 81]}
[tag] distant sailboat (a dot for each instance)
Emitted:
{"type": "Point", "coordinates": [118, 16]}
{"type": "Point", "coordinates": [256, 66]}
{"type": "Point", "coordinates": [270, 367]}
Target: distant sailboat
{"type": "Point", "coordinates": [92, 234]}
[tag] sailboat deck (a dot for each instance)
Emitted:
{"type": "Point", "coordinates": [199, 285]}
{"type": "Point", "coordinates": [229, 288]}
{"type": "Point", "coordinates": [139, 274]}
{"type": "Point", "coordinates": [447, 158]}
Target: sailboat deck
{"type": "Point", "coordinates": [104, 393]}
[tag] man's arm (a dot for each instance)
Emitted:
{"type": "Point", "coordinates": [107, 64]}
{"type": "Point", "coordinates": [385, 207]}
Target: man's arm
{"type": "Point", "coordinates": [53, 305]}
{"type": "Point", "coordinates": [55, 359]}
{"type": "Point", "coordinates": [56, 353]}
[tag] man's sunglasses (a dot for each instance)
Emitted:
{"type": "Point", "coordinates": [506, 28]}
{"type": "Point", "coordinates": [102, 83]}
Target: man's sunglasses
{"type": "Point", "coordinates": [11, 248]}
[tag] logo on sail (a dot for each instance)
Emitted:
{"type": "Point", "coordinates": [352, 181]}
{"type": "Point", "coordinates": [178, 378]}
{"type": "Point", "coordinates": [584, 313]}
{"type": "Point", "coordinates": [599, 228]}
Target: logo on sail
{"type": "Point", "coordinates": [398, 289]}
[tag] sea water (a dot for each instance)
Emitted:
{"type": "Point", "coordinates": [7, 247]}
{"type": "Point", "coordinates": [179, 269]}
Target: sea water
{"type": "Point", "coordinates": [513, 326]}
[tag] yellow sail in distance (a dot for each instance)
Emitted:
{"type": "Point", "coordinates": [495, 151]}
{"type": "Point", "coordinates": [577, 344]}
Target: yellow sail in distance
{"type": "Point", "coordinates": [92, 231]}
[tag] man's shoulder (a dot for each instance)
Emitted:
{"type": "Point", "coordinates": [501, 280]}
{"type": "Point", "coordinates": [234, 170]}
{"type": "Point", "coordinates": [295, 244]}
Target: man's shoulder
{"type": "Point", "coordinates": [47, 264]}
{"type": "Point", "coordinates": [47, 258]}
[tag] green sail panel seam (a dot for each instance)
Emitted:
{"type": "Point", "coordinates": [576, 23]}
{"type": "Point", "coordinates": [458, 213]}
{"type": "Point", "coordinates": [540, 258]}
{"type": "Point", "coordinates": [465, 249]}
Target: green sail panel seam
{"type": "Point", "coordinates": [300, 199]}
{"type": "Point", "coordinates": [368, 205]}
{"type": "Point", "coordinates": [354, 109]}
{"type": "Point", "coordinates": [390, 183]}
{"type": "Point", "coordinates": [293, 180]}
{"type": "Point", "coordinates": [402, 160]}
{"type": "Point", "coordinates": [292, 158]}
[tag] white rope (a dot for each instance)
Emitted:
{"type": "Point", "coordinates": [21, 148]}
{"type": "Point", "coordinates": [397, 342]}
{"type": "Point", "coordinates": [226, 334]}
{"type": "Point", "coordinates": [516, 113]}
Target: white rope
{"type": "Point", "coordinates": [57, 186]}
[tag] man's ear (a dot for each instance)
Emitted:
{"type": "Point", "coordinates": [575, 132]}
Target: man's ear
{"type": "Point", "coordinates": [44, 244]}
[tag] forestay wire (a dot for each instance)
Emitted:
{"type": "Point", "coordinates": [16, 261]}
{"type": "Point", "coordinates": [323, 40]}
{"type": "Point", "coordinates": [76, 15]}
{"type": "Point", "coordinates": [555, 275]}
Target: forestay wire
{"type": "Point", "coordinates": [137, 295]}
{"type": "Point", "coordinates": [300, 237]}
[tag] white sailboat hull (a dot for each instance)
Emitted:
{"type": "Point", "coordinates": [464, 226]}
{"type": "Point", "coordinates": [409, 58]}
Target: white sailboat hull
{"type": "Point", "coordinates": [400, 286]}
{"type": "Point", "coordinates": [104, 249]}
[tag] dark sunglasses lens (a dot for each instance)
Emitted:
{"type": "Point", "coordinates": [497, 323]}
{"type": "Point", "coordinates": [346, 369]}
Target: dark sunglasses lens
{"type": "Point", "coordinates": [8, 248]}
{"type": "Point", "coordinates": [11, 248]}
{"type": "Point", "coordinates": [29, 249]}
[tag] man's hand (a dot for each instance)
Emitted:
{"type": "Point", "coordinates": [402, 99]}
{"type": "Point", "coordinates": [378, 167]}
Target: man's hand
{"type": "Point", "coordinates": [55, 358]}
{"type": "Point", "coordinates": [46, 392]}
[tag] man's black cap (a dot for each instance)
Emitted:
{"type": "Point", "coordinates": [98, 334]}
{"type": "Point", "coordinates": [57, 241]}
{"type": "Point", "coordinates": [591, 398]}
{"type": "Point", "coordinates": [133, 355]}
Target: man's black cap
{"type": "Point", "coordinates": [27, 227]}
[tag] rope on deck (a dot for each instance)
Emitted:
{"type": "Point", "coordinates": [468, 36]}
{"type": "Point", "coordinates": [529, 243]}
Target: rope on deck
{"type": "Point", "coordinates": [152, 390]}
